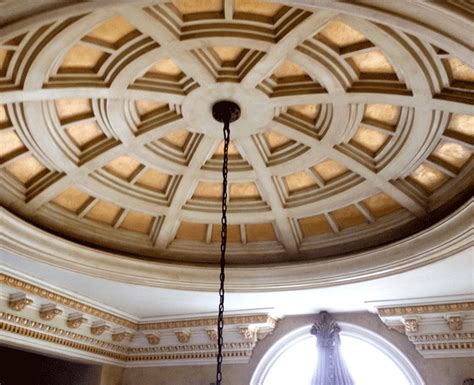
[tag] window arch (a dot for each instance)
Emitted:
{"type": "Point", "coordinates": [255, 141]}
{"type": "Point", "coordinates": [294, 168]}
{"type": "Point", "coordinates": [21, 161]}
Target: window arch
{"type": "Point", "coordinates": [371, 359]}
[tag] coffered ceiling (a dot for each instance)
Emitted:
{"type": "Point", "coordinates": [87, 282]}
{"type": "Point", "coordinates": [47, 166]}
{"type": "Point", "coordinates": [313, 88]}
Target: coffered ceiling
{"type": "Point", "coordinates": [354, 133]}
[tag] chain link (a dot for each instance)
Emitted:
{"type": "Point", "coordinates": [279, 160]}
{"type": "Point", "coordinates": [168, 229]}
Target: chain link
{"type": "Point", "coordinates": [220, 318]}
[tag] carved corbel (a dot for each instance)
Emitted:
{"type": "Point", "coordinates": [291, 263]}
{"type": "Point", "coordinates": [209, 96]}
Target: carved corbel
{"type": "Point", "coordinates": [49, 311]}
{"type": "Point", "coordinates": [18, 301]}
{"type": "Point", "coordinates": [75, 321]}
{"type": "Point", "coordinates": [98, 328]}
{"type": "Point", "coordinates": [183, 336]}
{"type": "Point", "coordinates": [118, 337]}
{"type": "Point", "coordinates": [153, 339]}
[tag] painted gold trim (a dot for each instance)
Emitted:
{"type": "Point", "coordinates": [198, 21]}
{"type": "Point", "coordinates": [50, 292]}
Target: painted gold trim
{"type": "Point", "coordinates": [441, 337]}
{"type": "Point", "coordinates": [189, 356]}
{"type": "Point", "coordinates": [426, 309]}
{"type": "Point", "coordinates": [42, 327]}
{"type": "Point", "coordinates": [59, 341]}
{"type": "Point", "coordinates": [169, 352]}
{"type": "Point", "coordinates": [446, 346]}
{"type": "Point", "coordinates": [63, 300]}
{"type": "Point", "coordinates": [204, 322]}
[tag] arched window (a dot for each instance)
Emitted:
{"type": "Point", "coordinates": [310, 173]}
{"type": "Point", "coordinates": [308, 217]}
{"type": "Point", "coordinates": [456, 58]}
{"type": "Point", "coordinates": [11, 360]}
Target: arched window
{"type": "Point", "coordinates": [371, 359]}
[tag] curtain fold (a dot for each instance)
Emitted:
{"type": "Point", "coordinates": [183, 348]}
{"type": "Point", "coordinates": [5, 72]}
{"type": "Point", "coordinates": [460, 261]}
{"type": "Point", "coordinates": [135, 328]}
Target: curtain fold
{"type": "Point", "coordinates": [331, 368]}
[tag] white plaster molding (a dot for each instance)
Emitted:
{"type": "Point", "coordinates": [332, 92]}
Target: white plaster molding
{"type": "Point", "coordinates": [433, 336]}
{"type": "Point", "coordinates": [447, 237]}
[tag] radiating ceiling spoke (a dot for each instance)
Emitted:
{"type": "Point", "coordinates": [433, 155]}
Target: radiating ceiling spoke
{"type": "Point", "coordinates": [80, 174]}
{"type": "Point", "coordinates": [280, 50]}
{"type": "Point", "coordinates": [185, 189]}
{"type": "Point", "coordinates": [270, 194]}
{"type": "Point", "coordinates": [401, 197]}
{"type": "Point", "coordinates": [183, 59]}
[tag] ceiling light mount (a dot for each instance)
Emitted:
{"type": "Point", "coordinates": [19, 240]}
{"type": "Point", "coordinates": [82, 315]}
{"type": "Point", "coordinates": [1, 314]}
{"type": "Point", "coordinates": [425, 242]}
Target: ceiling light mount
{"type": "Point", "coordinates": [226, 111]}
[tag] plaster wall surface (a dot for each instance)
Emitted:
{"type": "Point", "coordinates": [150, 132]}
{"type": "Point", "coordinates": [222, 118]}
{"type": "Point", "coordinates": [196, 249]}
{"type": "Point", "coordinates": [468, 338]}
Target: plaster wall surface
{"type": "Point", "coordinates": [446, 371]}
{"type": "Point", "coordinates": [20, 367]}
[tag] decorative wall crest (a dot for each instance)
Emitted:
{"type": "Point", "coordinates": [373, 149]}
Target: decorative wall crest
{"type": "Point", "coordinates": [212, 334]}
{"type": "Point", "coordinates": [160, 345]}
{"type": "Point", "coordinates": [411, 325]}
{"type": "Point", "coordinates": [153, 339]}
{"type": "Point", "coordinates": [455, 322]}
{"type": "Point", "coordinates": [183, 336]}
{"type": "Point", "coordinates": [248, 333]}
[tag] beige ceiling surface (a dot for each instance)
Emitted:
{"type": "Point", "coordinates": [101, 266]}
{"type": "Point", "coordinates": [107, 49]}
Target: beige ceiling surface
{"type": "Point", "coordinates": [353, 134]}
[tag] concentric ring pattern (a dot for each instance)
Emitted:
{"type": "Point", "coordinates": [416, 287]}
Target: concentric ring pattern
{"type": "Point", "coordinates": [353, 133]}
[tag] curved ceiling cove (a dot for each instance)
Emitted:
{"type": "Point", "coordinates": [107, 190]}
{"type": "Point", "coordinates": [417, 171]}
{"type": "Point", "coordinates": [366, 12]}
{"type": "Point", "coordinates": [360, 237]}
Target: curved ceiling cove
{"type": "Point", "coordinates": [354, 132]}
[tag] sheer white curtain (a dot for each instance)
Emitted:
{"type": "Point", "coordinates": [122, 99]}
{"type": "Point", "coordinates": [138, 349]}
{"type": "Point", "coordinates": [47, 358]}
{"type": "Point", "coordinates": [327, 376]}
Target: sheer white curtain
{"type": "Point", "coordinates": [331, 368]}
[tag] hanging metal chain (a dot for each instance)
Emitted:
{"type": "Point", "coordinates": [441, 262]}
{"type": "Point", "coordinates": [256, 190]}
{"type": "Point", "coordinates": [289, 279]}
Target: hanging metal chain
{"type": "Point", "coordinates": [220, 318]}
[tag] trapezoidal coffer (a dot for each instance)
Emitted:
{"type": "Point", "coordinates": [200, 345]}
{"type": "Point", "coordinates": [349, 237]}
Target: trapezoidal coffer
{"type": "Point", "coordinates": [353, 134]}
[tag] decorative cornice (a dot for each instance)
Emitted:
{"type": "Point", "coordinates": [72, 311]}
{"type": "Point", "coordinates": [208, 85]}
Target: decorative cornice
{"type": "Point", "coordinates": [183, 336]}
{"type": "Point", "coordinates": [33, 289]}
{"type": "Point", "coordinates": [446, 346]}
{"type": "Point", "coordinates": [49, 329]}
{"type": "Point", "coordinates": [426, 309]}
{"type": "Point", "coordinates": [38, 331]}
{"type": "Point", "coordinates": [189, 356]}
{"type": "Point", "coordinates": [441, 337]}
{"type": "Point", "coordinates": [204, 322]}
{"type": "Point", "coordinates": [436, 329]}
{"type": "Point", "coordinates": [63, 300]}
{"type": "Point", "coordinates": [153, 339]}
{"type": "Point", "coordinates": [60, 341]}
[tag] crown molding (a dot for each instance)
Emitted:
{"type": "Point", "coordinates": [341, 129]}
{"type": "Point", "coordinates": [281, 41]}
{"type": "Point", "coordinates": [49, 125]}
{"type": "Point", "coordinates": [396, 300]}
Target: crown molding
{"type": "Point", "coordinates": [437, 329]}
{"type": "Point", "coordinates": [451, 235]}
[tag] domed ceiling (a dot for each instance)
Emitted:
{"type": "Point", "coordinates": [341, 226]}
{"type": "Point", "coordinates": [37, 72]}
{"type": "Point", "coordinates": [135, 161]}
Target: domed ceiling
{"type": "Point", "coordinates": [353, 133]}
